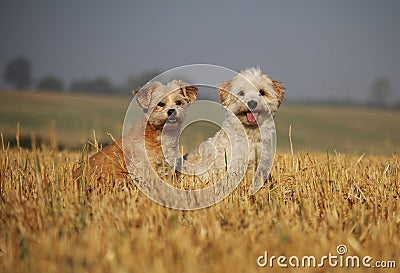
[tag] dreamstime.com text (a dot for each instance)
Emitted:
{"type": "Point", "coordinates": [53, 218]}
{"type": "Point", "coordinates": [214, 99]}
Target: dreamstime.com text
{"type": "Point", "coordinates": [330, 260]}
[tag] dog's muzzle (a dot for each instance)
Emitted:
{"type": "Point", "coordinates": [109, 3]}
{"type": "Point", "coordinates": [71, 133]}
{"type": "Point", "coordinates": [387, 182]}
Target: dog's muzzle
{"type": "Point", "coordinates": [172, 118]}
{"type": "Point", "coordinates": [252, 104]}
{"type": "Point", "coordinates": [252, 116]}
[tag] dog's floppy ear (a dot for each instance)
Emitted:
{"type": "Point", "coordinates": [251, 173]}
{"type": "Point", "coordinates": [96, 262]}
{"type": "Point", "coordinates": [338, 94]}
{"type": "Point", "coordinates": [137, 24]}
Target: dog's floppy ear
{"type": "Point", "coordinates": [223, 90]}
{"type": "Point", "coordinates": [279, 89]}
{"type": "Point", "coordinates": [189, 91]}
{"type": "Point", "coordinates": [144, 95]}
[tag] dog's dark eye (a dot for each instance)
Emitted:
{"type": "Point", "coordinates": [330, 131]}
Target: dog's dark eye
{"type": "Point", "coordinates": [178, 102]}
{"type": "Point", "coordinates": [241, 93]}
{"type": "Point", "coordinates": [262, 92]}
{"type": "Point", "coordinates": [161, 104]}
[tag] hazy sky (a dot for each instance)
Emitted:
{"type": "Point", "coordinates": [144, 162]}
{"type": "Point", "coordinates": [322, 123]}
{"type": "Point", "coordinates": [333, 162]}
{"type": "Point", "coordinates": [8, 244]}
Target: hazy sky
{"type": "Point", "coordinates": [318, 49]}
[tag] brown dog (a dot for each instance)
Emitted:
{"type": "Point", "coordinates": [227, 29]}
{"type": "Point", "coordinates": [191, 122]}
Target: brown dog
{"type": "Point", "coordinates": [164, 108]}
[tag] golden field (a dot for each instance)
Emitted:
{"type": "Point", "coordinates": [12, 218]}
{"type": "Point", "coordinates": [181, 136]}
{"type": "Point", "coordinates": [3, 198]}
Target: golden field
{"type": "Point", "coordinates": [312, 203]}
{"type": "Point", "coordinates": [340, 186]}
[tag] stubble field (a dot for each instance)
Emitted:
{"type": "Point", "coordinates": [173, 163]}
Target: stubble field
{"type": "Point", "coordinates": [313, 202]}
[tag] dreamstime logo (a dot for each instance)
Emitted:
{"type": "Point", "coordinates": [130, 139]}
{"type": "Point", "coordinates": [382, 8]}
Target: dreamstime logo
{"type": "Point", "coordinates": [138, 158]}
{"type": "Point", "coordinates": [331, 260]}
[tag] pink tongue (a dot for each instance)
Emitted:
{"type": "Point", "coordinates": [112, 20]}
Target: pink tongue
{"type": "Point", "coordinates": [252, 117]}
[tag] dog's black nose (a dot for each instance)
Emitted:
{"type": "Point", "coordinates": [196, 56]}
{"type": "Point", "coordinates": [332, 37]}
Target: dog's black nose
{"type": "Point", "coordinates": [171, 112]}
{"type": "Point", "coordinates": [252, 104]}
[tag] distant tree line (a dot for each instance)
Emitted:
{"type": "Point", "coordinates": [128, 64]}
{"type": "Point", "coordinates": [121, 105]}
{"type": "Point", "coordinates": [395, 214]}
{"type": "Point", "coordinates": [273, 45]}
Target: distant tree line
{"type": "Point", "coordinates": [18, 74]}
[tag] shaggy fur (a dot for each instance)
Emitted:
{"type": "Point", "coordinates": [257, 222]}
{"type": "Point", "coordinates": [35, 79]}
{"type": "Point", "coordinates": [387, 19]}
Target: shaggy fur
{"type": "Point", "coordinates": [252, 99]}
{"type": "Point", "coordinates": [163, 112]}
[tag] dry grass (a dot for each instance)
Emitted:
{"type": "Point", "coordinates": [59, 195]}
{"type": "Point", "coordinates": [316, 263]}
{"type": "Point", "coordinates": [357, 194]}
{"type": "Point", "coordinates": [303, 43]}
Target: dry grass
{"type": "Point", "coordinates": [312, 203]}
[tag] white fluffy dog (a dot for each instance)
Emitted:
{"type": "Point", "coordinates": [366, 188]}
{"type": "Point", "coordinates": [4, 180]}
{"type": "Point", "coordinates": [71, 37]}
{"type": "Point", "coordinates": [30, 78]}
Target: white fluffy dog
{"type": "Point", "coordinates": [251, 99]}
